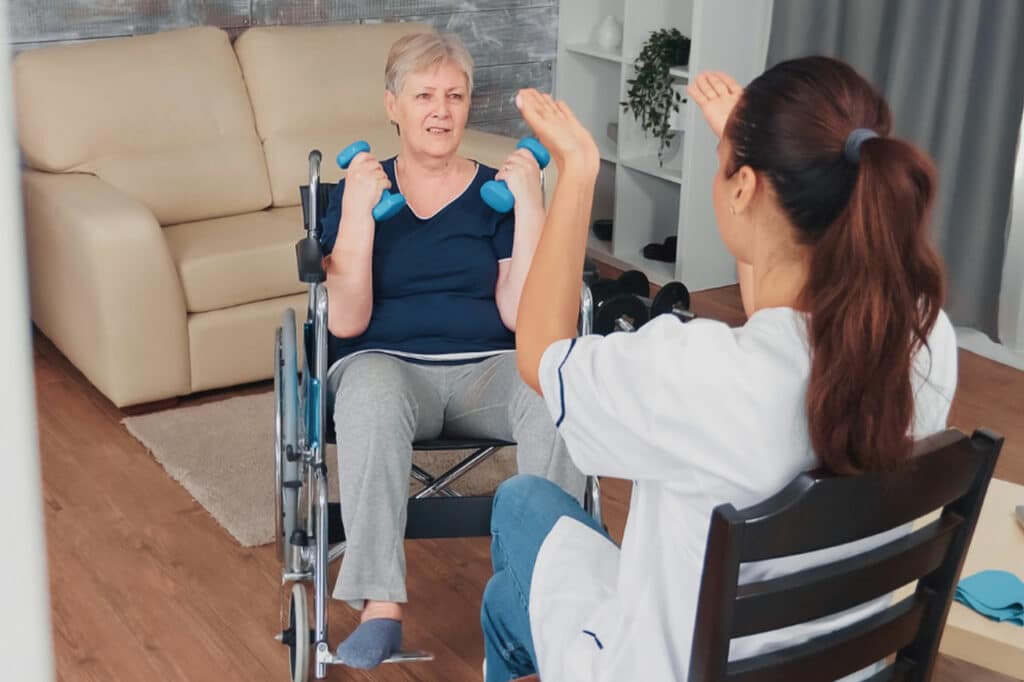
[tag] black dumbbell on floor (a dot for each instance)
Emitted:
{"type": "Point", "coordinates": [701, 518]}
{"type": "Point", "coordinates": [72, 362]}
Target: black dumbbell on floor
{"type": "Point", "coordinates": [617, 302]}
{"type": "Point", "coordinates": [673, 298]}
{"type": "Point", "coordinates": [619, 313]}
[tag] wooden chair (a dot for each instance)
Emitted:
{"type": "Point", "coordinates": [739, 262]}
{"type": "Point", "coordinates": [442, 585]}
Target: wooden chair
{"type": "Point", "coordinates": [950, 472]}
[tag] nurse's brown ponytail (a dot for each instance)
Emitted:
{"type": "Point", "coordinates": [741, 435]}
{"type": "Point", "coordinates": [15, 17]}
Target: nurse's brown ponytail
{"type": "Point", "coordinates": [861, 200]}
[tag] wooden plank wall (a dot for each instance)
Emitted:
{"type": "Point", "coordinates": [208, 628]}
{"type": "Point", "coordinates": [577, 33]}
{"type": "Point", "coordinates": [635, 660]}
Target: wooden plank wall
{"type": "Point", "coordinates": [512, 41]}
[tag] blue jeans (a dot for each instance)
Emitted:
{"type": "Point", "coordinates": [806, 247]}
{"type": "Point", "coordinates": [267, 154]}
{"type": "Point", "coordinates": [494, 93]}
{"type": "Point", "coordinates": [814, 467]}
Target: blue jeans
{"type": "Point", "coordinates": [525, 510]}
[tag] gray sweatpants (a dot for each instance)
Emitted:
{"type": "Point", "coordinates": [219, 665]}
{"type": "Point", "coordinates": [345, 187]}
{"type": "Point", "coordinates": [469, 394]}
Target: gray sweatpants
{"type": "Point", "coordinates": [381, 405]}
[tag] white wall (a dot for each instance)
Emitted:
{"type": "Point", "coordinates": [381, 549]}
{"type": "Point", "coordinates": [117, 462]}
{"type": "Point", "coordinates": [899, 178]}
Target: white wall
{"type": "Point", "coordinates": [1011, 295]}
{"type": "Point", "coordinates": [25, 645]}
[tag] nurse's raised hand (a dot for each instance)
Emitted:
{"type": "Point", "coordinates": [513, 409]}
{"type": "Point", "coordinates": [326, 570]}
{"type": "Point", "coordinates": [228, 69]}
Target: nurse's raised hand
{"type": "Point", "coordinates": [716, 93]}
{"type": "Point", "coordinates": [571, 145]}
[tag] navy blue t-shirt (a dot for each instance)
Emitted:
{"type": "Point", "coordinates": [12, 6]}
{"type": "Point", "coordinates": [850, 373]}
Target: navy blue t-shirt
{"type": "Point", "coordinates": [433, 278]}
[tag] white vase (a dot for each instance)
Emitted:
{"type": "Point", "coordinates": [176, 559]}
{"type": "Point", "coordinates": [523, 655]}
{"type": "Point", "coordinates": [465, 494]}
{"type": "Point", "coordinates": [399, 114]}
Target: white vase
{"type": "Point", "coordinates": [609, 33]}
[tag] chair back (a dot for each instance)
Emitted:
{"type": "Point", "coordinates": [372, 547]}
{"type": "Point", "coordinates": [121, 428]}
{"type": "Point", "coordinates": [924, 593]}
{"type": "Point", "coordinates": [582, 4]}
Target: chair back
{"type": "Point", "coordinates": [949, 472]}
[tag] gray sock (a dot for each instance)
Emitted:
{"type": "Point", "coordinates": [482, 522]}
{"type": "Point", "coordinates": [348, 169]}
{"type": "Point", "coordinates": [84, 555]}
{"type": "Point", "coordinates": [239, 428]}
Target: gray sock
{"type": "Point", "coordinates": [370, 643]}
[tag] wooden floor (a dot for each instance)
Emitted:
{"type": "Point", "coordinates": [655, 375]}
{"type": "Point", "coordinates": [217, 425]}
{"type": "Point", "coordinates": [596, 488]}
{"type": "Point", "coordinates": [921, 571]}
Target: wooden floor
{"type": "Point", "coordinates": [145, 586]}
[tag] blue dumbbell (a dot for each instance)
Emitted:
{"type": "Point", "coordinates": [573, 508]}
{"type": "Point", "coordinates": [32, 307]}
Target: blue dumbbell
{"type": "Point", "coordinates": [496, 194]}
{"type": "Point", "coordinates": [389, 204]}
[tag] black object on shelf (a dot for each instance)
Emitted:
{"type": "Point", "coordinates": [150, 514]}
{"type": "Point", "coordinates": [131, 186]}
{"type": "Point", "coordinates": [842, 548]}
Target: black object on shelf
{"type": "Point", "coordinates": [602, 229]}
{"type": "Point", "coordinates": [684, 52]}
{"type": "Point", "coordinates": [665, 252]}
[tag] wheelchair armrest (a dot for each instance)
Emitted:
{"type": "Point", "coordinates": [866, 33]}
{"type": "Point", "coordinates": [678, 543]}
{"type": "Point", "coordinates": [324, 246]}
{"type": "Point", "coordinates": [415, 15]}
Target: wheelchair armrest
{"type": "Point", "coordinates": [310, 261]}
{"type": "Point", "coordinates": [323, 198]}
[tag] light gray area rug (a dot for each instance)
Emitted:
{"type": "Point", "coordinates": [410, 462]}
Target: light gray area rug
{"type": "Point", "coordinates": [223, 454]}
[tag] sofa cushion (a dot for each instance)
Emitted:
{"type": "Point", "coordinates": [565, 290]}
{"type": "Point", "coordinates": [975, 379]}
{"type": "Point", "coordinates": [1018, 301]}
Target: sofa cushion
{"type": "Point", "coordinates": [233, 345]}
{"type": "Point", "coordinates": [317, 88]}
{"type": "Point", "coordinates": [230, 261]}
{"type": "Point", "coordinates": [164, 118]}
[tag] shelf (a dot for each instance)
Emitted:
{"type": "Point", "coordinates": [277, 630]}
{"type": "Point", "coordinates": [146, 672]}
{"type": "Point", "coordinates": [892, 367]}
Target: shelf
{"type": "Point", "coordinates": [599, 249]}
{"type": "Point", "coordinates": [649, 165]}
{"type": "Point", "coordinates": [595, 51]}
{"type": "Point", "coordinates": [657, 272]}
{"type": "Point", "coordinates": [681, 72]}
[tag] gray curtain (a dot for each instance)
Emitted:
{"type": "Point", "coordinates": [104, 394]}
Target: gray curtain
{"type": "Point", "coordinates": [953, 73]}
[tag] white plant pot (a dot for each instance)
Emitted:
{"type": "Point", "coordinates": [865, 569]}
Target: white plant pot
{"type": "Point", "coordinates": [670, 157]}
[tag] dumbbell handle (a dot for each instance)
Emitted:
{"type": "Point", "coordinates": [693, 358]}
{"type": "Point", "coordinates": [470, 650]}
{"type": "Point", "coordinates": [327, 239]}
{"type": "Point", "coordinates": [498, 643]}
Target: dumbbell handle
{"type": "Point", "coordinates": [625, 323]}
{"type": "Point", "coordinates": [389, 204]}
{"type": "Point", "coordinates": [679, 311]}
{"type": "Point", "coordinates": [315, 157]}
{"type": "Point", "coordinates": [496, 193]}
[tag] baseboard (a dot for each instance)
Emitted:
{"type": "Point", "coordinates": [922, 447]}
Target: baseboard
{"type": "Point", "coordinates": [975, 341]}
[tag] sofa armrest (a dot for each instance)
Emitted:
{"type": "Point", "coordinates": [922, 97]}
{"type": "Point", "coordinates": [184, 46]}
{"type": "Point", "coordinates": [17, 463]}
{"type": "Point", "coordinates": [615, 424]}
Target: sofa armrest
{"type": "Point", "coordinates": [104, 288]}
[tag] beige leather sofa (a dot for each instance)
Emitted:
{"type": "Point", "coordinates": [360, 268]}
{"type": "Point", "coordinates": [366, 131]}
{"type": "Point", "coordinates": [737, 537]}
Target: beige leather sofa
{"type": "Point", "coordinates": [161, 191]}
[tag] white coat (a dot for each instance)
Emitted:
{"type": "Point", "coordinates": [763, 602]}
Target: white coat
{"type": "Point", "coordinates": [697, 414]}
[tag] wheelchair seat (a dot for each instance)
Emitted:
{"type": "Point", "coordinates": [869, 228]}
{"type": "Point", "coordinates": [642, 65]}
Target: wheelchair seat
{"type": "Point", "coordinates": [440, 512]}
{"type": "Point", "coordinates": [458, 444]}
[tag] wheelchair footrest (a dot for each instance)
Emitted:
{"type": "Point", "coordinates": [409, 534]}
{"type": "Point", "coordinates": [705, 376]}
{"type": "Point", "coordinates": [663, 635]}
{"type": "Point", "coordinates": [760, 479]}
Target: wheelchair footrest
{"type": "Point", "coordinates": [432, 517]}
{"type": "Point", "coordinates": [410, 656]}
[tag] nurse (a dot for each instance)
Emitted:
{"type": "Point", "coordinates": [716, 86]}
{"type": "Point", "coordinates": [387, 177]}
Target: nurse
{"type": "Point", "coordinates": [845, 359]}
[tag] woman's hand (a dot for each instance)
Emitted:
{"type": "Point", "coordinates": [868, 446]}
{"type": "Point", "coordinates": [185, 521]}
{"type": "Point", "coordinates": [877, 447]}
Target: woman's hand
{"type": "Point", "coordinates": [716, 94]}
{"type": "Point", "coordinates": [365, 181]}
{"type": "Point", "coordinates": [554, 124]}
{"type": "Point", "coordinates": [522, 174]}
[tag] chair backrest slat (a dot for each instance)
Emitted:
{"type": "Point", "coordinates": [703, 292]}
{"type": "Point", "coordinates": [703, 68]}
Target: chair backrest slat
{"type": "Point", "coordinates": [816, 511]}
{"type": "Point", "coordinates": [831, 588]}
{"type": "Point", "coordinates": [820, 510]}
{"type": "Point", "coordinates": [900, 671]}
{"type": "Point", "coordinates": [840, 653]}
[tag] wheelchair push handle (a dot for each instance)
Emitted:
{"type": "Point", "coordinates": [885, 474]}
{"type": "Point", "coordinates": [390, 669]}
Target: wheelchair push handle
{"type": "Point", "coordinates": [314, 194]}
{"type": "Point", "coordinates": [389, 204]}
{"type": "Point", "coordinates": [308, 256]}
{"type": "Point", "coordinates": [496, 193]}
{"type": "Point", "coordinates": [314, 162]}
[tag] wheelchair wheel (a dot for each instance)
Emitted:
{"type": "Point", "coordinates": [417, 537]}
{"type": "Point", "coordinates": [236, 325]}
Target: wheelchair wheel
{"type": "Point", "coordinates": [297, 636]}
{"type": "Point", "coordinates": [286, 417]}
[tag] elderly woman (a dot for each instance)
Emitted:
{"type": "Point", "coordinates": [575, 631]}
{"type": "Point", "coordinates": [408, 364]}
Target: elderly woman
{"type": "Point", "coordinates": [422, 319]}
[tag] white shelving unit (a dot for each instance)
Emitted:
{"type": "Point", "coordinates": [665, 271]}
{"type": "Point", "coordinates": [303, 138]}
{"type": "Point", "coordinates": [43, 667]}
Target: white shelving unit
{"type": "Point", "coordinates": [648, 200]}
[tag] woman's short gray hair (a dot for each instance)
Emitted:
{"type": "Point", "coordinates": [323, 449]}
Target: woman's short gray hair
{"type": "Point", "coordinates": [421, 51]}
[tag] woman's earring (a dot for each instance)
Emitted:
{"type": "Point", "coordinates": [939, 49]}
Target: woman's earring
{"type": "Point", "coordinates": [732, 210]}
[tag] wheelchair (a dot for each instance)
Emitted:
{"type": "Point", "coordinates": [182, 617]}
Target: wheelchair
{"type": "Point", "coordinates": [309, 532]}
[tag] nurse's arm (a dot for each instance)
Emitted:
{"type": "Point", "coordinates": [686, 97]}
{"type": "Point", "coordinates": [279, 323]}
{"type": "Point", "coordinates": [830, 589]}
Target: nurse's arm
{"type": "Point", "coordinates": [550, 303]}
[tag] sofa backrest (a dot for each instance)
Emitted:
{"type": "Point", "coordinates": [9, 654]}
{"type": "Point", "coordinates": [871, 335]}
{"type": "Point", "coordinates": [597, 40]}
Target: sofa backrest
{"type": "Point", "coordinates": [164, 118]}
{"type": "Point", "coordinates": [317, 87]}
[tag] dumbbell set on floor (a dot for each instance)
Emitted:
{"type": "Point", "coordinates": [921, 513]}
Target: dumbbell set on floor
{"type": "Point", "coordinates": [624, 304]}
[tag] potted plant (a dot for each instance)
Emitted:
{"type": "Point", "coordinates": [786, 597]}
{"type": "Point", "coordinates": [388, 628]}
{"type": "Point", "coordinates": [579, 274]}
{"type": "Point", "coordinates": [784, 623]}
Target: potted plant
{"type": "Point", "coordinates": [651, 97]}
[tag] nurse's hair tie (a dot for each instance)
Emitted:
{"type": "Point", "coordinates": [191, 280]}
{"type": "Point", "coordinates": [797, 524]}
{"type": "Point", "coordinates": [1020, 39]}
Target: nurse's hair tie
{"type": "Point", "coordinates": [857, 137]}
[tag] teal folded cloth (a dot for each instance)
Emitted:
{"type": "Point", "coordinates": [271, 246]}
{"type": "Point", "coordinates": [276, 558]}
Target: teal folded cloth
{"type": "Point", "coordinates": [998, 595]}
